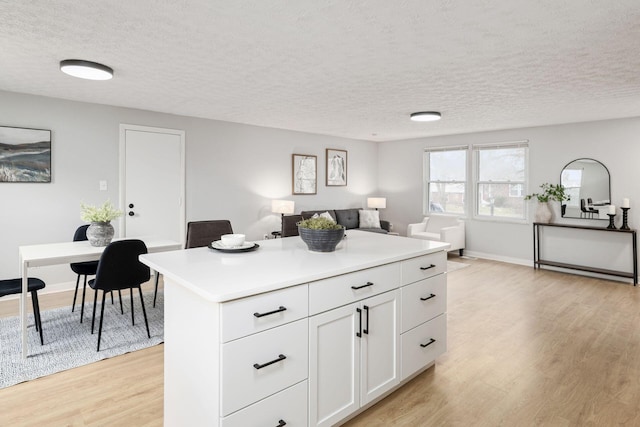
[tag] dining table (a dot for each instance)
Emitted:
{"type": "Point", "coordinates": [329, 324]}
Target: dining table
{"type": "Point", "coordinates": [69, 252]}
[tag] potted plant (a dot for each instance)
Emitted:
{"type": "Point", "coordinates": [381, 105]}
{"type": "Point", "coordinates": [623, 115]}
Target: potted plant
{"type": "Point", "coordinates": [550, 193]}
{"type": "Point", "coordinates": [100, 232]}
{"type": "Point", "coordinates": [320, 234]}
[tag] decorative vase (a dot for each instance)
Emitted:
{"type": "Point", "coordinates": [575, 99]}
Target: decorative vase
{"type": "Point", "coordinates": [544, 214]}
{"type": "Point", "coordinates": [321, 240]}
{"type": "Point", "coordinates": [100, 233]}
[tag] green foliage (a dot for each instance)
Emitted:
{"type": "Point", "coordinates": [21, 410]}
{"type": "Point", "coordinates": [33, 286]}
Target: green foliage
{"type": "Point", "coordinates": [550, 192]}
{"type": "Point", "coordinates": [104, 213]}
{"type": "Point", "coordinates": [319, 224]}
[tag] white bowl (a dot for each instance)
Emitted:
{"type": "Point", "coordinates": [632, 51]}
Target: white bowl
{"type": "Point", "coordinates": [232, 240]}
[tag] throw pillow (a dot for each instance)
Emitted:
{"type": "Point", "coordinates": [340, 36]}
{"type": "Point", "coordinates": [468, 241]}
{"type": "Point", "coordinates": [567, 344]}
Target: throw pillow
{"type": "Point", "coordinates": [369, 219]}
{"type": "Point", "coordinates": [325, 214]}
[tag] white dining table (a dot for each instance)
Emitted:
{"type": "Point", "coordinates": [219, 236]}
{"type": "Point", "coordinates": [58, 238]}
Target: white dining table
{"type": "Point", "coordinates": [64, 253]}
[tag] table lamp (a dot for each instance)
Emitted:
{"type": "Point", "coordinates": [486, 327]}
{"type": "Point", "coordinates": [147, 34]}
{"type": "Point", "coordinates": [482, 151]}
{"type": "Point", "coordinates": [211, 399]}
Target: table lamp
{"type": "Point", "coordinates": [377, 202]}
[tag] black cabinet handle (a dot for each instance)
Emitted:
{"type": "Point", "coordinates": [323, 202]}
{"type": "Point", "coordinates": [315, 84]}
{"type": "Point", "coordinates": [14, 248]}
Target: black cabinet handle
{"type": "Point", "coordinates": [431, 341]}
{"type": "Point", "coordinates": [427, 268]}
{"type": "Point", "coordinates": [366, 310]}
{"type": "Point", "coordinates": [279, 310]}
{"type": "Point", "coordinates": [359, 333]}
{"type": "Point", "coordinates": [281, 423]}
{"type": "Point", "coordinates": [363, 286]}
{"type": "Point", "coordinates": [130, 205]}
{"type": "Point", "coordinates": [428, 298]}
{"type": "Point", "coordinates": [280, 358]}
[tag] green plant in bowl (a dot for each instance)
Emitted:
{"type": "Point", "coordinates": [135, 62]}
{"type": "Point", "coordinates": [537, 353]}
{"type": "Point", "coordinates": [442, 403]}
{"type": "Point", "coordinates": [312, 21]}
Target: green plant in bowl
{"type": "Point", "coordinates": [320, 234]}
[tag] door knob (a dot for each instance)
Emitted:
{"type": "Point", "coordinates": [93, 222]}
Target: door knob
{"type": "Point", "coordinates": [131, 213]}
{"type": "Point", "coordinates": [130, 205]}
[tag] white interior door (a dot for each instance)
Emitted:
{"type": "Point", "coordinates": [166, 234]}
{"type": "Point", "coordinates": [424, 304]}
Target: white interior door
{"type": "Point", "coordinates": [152, 182]}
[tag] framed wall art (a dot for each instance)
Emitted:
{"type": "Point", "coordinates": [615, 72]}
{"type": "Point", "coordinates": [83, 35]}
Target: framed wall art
{"type": "Point", "coordinates": [304, 174]}
{"type": "Point", "coordinates": [336, 167]}
{"type": "Point", "coordinates": [25, 155]}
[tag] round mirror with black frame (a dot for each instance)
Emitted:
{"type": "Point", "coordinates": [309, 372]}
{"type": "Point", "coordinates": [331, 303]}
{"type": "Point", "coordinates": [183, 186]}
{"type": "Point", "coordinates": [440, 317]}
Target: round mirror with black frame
{"type": "Point", "coordinates": [588, 182]}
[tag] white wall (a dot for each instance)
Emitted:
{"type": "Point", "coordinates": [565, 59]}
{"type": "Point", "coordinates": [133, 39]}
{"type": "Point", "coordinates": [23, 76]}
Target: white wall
{"type": "Point", "coordinates": [616, 143]}
{"type": "Point", "coordinates": [233, 172]}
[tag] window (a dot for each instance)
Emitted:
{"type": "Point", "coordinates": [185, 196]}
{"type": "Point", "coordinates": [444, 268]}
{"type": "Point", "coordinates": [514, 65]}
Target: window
{"type": "Point", "coordinates": [445, 184]}
{"type": "Point", "coordinates": [501, 172]}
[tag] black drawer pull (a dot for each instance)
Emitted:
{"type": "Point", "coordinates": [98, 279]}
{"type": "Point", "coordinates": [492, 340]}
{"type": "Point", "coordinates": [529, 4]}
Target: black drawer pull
{"type": "Point", "coordinates": [280, 358]}
{"type": "Point", "coordinates": [281, 423]}
{"type": "Point", "coordinates": [428, 298]}
{"type": "Point", "coordinates": [431, 341]}
{"type": "Point", "coordinates": [427, 268]}
{"type": "Point", "coordinates": [281, 309]}
{"type": "Point", "coordinates": [363, 286]}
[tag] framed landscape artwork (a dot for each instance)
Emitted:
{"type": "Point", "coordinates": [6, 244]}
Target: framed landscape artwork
{"type": "Point", "coordinates": [336, 168]}
{"type": "Point", "coordinates": [25, 155]}
{"type": "Point", "coordinates": [304, 174]}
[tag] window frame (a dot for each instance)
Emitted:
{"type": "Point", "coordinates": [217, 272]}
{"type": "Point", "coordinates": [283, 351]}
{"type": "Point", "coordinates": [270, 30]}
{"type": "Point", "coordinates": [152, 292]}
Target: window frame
{"type": "Point", "coordinates": [476, 148]}
{"type": "Point", "coordinates": [426, 180]}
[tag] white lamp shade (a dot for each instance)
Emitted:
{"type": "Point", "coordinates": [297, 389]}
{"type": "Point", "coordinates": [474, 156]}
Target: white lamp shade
{"type": "Point", "coordinates": [377, 202]}
{"type": "Point", "coordinates": [282, 206]}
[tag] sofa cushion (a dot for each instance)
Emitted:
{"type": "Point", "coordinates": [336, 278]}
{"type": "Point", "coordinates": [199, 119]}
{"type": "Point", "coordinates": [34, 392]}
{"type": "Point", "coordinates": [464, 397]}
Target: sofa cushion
{"type": "Point", "coordinates": [427, 236]}
{"type": "Point", "coordinates": [309, 214]}
{"type": "Point", "coordinates": [348, 218]}
{"type": "Point", "coordinates": [369, 219]}
{"type": "Point", "coordinates": [438, 222]}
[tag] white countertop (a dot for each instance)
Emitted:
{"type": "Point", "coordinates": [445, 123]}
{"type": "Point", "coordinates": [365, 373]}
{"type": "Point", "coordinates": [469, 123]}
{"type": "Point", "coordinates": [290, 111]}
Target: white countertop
{"type": "Point", "coordinates": [280, 263]}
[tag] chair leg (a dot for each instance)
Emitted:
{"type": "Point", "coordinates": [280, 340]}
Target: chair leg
{"type": "Point", "coordinates": [131, 296]}
{"type": "Point", "coordinates": [101, 316]}
{"type": "Point", "coordinates": [120, 298]}
{"type": "Point", "coordinates": [36, 314]}
{"type": "Point", "coordinates": [75, 294]}
{"type": "Point", "coordinates": [111, 297]}
{"type": "Point", "coordinates": [155, 293]}
{"type": "Point", "coordinates": [95, 301]}
{"type": "Point", "coordinates": [144, 312]}
{"type": "Point", "coordinates": [84, 290]}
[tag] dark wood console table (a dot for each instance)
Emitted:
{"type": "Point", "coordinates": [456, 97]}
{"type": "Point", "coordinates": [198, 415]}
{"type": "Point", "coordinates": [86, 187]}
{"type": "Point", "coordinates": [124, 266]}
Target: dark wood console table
{"type": "Point", "coordinates": [538, 262]}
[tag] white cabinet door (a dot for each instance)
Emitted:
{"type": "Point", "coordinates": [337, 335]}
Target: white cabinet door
{"type": "Point", "coordinates": [334, 372]}
{"type": "Point", "coordinates": [380, 367]}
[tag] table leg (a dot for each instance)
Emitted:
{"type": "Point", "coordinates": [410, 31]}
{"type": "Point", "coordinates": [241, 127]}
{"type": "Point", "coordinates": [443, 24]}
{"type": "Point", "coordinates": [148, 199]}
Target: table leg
{"type": "Point", "coordinates": [23, 308]}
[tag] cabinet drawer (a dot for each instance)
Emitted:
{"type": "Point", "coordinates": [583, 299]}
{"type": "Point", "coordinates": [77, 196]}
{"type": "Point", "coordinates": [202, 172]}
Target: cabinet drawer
{"type": "Point", "coordinates": [422, 267]}
{"type": "Point", "coordinates": [423, 300]}
{"type": "Point", "coordinates": [244, 380]}
{"type": "Point", "coordinates": [247, 316]}
{"type": "Point", "coordinates": [339, 290]}
{"type": "Point", "coordinates": [289, 406]}
{"type": "Point", "coordinates": [421, 345]}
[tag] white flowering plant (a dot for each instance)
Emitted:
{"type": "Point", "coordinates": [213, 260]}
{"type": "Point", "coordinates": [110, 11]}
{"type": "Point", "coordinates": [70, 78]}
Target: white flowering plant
{"type": "Point", "coordinates": [105, 213]}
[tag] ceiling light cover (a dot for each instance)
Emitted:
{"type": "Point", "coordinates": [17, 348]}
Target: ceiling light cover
{"type": "Point", "coordinates": [425, 116]}
{"type": "Point", "coordinates": [86, 69]}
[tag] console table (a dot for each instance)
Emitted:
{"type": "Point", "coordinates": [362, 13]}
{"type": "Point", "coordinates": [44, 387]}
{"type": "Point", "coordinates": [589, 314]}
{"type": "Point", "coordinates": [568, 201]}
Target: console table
{"type": "Point", "coordinates": [538, 262]}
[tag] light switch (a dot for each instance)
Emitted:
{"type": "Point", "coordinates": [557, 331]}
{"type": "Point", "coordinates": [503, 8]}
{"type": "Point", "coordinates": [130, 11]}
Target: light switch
{"type": "Point", "coordinates": [103, 185]}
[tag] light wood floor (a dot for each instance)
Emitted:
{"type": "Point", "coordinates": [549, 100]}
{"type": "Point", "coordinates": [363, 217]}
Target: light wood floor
{"type": "Point", "coordinates": [525, 348]}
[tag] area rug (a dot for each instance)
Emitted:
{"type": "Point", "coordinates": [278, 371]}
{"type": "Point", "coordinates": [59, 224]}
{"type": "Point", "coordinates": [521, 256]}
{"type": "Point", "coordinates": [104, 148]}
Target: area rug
{"type": "Point", "coordinates": [69, 343]}
{"type": "Point", "coordinates": [454, 265]}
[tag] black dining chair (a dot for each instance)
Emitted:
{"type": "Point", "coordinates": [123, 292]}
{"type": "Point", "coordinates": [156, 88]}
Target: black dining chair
{"type": "Point", "coordinates": [14, 287]}
{"type": "Point", "coordinates": [200, 234]}
{"type": "Point", "coordinates": [82, 269]}
{"type": "Point", "coordinates": [119, 268]}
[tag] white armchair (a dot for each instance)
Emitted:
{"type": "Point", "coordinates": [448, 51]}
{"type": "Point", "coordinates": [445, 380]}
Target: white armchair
{"type": "Point", "coordinates": [441, 228]}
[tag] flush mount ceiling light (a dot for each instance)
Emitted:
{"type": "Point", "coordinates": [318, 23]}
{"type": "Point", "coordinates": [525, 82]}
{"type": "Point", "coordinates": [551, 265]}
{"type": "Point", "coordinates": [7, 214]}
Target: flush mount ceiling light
{"type": "Point", "coordinates": [425, 116]}
{"type": "Point", "coordinates": [86, 69]}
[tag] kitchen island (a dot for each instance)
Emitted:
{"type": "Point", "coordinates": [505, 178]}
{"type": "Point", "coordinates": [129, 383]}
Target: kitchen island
{"type": "Point", "coordinates": [284, 336]}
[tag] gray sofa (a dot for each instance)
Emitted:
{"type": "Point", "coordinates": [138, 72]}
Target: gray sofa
{"type": "Point", "coordinates": [349, 218]}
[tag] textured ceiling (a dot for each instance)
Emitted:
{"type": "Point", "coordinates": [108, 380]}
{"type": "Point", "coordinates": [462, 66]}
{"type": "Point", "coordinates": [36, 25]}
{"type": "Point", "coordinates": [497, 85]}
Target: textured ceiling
{"type": "Point", "coordinates": [347, 68]}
